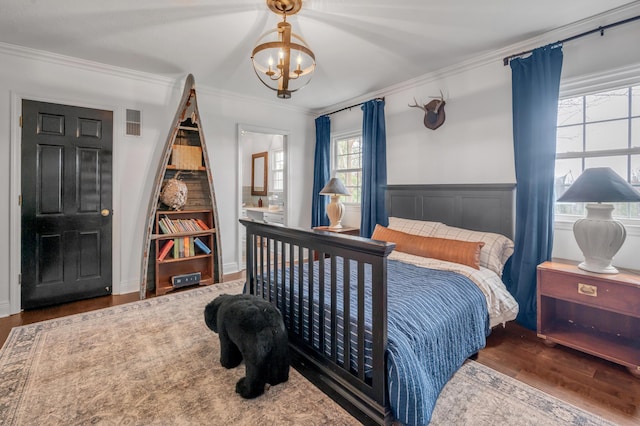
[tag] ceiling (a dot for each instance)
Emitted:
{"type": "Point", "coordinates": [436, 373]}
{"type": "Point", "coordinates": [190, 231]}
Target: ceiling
{"type": "Point", "coordinates": [361, 46]}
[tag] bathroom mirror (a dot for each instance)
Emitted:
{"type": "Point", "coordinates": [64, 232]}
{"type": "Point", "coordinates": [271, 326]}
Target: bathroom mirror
{"type": "Point", "coordinates": [259, 173]}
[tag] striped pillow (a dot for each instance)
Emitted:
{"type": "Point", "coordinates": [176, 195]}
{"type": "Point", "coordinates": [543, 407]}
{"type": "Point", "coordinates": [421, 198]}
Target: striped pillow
{"type": "Point", "coordinates": [463, 252]}
{"type": "Point", "coordinates": [496, 251]}
{"type": "Point", "coordinates": [415, 227]}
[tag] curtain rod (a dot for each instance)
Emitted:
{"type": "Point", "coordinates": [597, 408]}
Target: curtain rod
{"type": "Point", "coordinates": [601, 29]}
{"type": "Point", "coordinates": [353, 106]}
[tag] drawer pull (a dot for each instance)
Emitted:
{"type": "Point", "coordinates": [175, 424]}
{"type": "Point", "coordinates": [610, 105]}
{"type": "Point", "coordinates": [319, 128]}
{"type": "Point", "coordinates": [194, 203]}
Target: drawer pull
{"type": "Point", "coordinates": [588, 290]}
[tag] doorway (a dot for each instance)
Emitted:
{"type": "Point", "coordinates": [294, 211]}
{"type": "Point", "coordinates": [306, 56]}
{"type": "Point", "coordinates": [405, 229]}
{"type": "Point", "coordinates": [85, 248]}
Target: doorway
{"type": "Point", "coordinates": [260, 142]}
{"type": "Point", "coordinates": [66, 189]}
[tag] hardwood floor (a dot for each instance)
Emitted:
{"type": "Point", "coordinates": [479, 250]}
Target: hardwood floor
{"type": "Point", "coordinates": [591, 383]}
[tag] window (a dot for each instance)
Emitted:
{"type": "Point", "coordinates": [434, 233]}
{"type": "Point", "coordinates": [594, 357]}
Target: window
{"type": "Point", "coordinates": [277, 170]}
{"type": "Point", "coordinates": [598, 130]}
{"type": "Point", "coordinates": [347, 164]}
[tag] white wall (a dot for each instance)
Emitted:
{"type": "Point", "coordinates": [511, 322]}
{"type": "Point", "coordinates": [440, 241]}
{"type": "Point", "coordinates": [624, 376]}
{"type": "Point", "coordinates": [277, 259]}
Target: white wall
{"type": "Point", "coordinates": [40, 76]}
{"type": "Point", "coordinates": [475, 144]}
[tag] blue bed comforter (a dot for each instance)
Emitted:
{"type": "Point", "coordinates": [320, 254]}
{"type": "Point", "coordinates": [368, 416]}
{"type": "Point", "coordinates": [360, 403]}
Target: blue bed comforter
{"type": "Point", "coordinates": [436, 319]}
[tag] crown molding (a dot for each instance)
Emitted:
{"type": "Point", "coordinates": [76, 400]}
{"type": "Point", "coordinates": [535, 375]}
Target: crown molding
{"type": "Point", "coordinates": [54, 58]}
{"type": "Point", "coordinates": [99, 67]}
{"type": "Point", "coordinates": [496, 56]}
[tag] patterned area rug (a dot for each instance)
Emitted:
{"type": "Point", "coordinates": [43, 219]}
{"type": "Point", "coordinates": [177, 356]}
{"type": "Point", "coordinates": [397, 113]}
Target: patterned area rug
{"type": "Point", "coordinates": [156, 362]}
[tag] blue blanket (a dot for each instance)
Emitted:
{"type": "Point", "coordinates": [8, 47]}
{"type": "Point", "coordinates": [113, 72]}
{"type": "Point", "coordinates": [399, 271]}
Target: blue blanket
{"type": "Point", "coordinates": [436, 319]}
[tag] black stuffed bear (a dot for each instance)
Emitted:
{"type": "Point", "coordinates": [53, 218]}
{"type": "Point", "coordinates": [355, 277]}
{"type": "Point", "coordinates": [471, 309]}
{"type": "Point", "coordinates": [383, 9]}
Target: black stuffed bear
{"type": "Point", "coordinates": [252, 329]}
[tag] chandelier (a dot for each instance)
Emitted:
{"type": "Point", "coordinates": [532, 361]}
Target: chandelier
{"type": "Point", "coordinates": [282, 60]}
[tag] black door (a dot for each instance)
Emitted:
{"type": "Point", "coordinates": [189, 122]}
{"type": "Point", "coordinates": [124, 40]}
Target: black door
{"type": "Point", "coordinates": [66, 203]}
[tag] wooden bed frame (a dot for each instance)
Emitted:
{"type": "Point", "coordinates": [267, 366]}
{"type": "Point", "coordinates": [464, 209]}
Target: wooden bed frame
{"type": "Point", "coordinates": [272, 247]}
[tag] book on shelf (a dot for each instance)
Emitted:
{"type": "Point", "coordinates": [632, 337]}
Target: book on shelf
{"type": "Point", "coordinates": [165, 249]}
{"type": "Point", "coordinates": [172, 226]}
{"type": "Point", "coordinates": [176, 249]}
{"type": "Point", "coordinates": [180, 247]}
{"type": "Point", "coordinates": [202, 246]}
{"type": "Point", "coordinates": [187, 249]}
{"type": "Point", "coordinates": [163, 227]}
{"type": "Point", "coordinates": [202, 225]}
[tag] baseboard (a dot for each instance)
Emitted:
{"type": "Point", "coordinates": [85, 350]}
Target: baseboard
{"type": "Point", "coordinates": [125, 287]}
{"type": "Point", "coordinates": [5, 309]}
{"type": "Point", "coordinates": [231, 268]}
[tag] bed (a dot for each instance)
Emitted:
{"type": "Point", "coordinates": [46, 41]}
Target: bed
{"type": "Point", "coordinates": [382, 330]}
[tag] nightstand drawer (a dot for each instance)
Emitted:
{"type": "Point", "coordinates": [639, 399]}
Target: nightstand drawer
{"type": "Point", "coordinates": [612, 296]}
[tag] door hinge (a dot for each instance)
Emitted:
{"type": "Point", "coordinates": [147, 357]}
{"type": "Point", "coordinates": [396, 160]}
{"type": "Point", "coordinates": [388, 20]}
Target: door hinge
{"type": "Point", "coordinates": [20, 200]}
{"type": "Point", "coordinates": [21, 121]}
{"type": "Point", "coordinates": [19, 279]}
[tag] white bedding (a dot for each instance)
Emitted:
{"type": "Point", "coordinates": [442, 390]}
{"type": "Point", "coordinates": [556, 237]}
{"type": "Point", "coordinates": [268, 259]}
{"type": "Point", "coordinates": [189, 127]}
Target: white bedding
{"type": "Point", "coordinates": [501, 305]}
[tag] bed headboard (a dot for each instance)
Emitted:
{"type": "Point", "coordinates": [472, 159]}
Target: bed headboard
{"type": "Point", "coordinates": [480, 207]}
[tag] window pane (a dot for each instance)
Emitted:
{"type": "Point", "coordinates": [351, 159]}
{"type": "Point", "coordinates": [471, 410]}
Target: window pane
{"type": "Point", "coordinates": [635, 101]}
{"type": "Point", "coordinates": [352, 181]}
{"type": "Point", "coordinates": [618, 163]}
{"type": "Point", "coordinates": [278, 160]}
{"type": "Point", "coordinates": [567, 170]}
{"type": "Point", "coordinates": [635, 132]}
{"type": "Point", "coordinates": [607, 135]}
{"type": "Point", "coordinates": [607, 105]}
{"type": "Point", "coordinates": [278, 180]}
{"type": "Point", "coordinates": [348, 166]}
{"type": "Point", "coordinates": [635, 171]}
{"type": "Point", "coordinates": [342, 162]}
{"type": "Point", "coordinates": [570, 111]}
{"type": "Point", "coordinates": [569, 139]}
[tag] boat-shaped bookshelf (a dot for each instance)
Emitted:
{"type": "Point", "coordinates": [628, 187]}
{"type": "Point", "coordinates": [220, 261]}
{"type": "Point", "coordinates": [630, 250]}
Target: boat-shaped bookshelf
{"type": "Point", "coordinates": [182, 237]}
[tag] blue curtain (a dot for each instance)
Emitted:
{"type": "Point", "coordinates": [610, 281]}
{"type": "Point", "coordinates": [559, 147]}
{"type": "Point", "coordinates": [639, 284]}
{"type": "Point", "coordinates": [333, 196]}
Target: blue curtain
{"type": "Point", "coordinates": [321, 171]}
{"type": "Point", "coordinates": [374, 167]}
{"type": "Point", "coordinates": [535, 90]}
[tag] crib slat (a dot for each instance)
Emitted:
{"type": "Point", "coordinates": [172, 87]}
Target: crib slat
{"type": "Point", "coordinates": [361, 314]}
{"type": "Point", "coordinates": [275, 275]}
{"type": "Point", "coordinates": [291, 299]}
{"type": "Point", "coordinates": [334, 299]}
{"type": "Point", "coordinates": [300, 295]}
{"type": "Point", "coordinates": [346, 307]}
{"type": "Point", "coordinates": [310, 295]}
{"type": "Point", "coordinates": [321, 319]}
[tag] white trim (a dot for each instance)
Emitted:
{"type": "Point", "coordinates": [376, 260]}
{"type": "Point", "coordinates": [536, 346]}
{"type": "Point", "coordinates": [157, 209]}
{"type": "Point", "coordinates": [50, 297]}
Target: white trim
{"type": "Point", "coordinates": [332, 171]}
{"type": "Point", "coordinates": [495, 56]}
{"type": "Point", "coordinates": [55, 58]}
{"type": "Point", "coordinates": [241, 128]}
{"type": "Point", "coordinates": [15, 178]}
{"type": "Point", "coordinates": [600, 82]}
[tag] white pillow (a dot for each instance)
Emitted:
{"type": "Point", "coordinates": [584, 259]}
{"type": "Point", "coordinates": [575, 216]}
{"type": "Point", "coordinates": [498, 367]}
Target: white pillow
{"type": "Point", "coordinates": [496, 251]}
{"type": "Point", "coordinates": [415, 227]}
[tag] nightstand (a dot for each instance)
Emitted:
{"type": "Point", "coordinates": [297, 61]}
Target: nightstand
{"type": "Point", "coordinates": [597, 314]}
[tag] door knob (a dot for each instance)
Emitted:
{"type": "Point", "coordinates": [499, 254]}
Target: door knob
{"type": "Point", "coordinates": [105, 212]}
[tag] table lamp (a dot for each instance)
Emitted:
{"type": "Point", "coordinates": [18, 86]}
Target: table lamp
{"type": "Point", "coordinates": [335, 209]}
{"type": "Point", "coordinates": [598, 235]}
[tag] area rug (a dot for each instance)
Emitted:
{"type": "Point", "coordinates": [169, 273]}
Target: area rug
{"type": "Point", "coordinates": [154, 362]}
